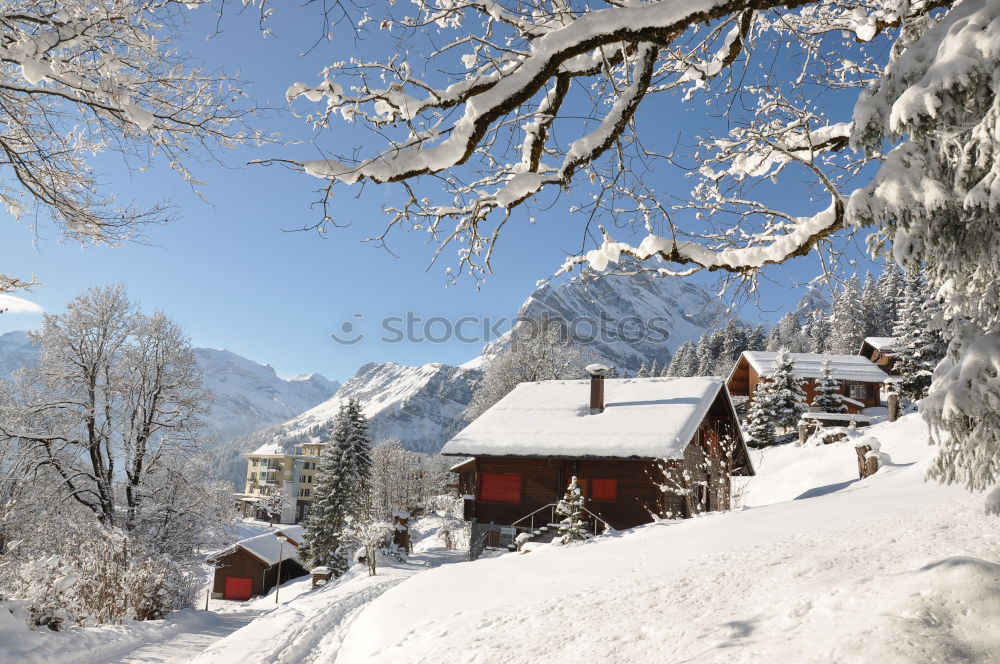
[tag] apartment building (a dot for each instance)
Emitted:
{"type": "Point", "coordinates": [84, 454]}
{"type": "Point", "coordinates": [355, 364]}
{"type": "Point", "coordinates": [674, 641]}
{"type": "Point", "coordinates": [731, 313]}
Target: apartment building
{"type": "Point", "coordinates": [272, 471]}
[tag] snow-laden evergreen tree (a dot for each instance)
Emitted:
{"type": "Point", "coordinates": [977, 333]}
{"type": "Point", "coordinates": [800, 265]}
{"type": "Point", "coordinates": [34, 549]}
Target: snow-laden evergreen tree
{"type": "Point", "coordinates": [706, 358]}
{"type": "Point", "coordinates": [918, 347]}
{"type": "Point", "coordinates": [573, 526]}
{"type": "Point", "coordinates": [890, 292]}
{"type": "Point", "coordinates": [788, 397]}
{"type": "Point", "coordinates": [684, 361]}
{"type": "Point", "coordinates": [847, 325]}
{"type": "Point", "coordinates": [734, 341]}
{"type": "Point", "coordinates": [655, 370]}
{"type": "Point", "coordinates": [343, 479]}
{"type": "Point", "coordinates": [871, 308]}
{"type": "Point", "coordinates": [762, 415]}
{"type": "Point", "coordinates": [643, 371]}
{"type": "Point", "coordinates": [819, 333]}
{"type": "Point", "coordinates": [756, 339]}
{"type": "Point", "coordinates": [827, 398]}
{"type": "Point", "coordinates": [774, 341]}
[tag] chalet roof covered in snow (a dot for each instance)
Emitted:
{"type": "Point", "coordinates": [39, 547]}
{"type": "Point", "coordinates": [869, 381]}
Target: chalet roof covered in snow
{"type": "Point", "coordinates": [643, 417]}
{"type": "Point", "coordinates": [267, 547]}
{"type": "Point", "coordinates": [810, 365]}
{"type": "Point", "coordinates": [882, 343]}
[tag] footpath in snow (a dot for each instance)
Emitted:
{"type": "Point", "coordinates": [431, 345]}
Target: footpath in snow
{"type": "Point", "coordinates": [312, 627]}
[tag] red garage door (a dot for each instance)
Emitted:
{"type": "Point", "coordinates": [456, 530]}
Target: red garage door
{"type": "Point", "coordinates": [238, 587]}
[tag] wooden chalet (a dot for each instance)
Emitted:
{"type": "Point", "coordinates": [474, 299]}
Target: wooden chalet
{"type": "Point", "coordinates": [880, 351]}
{"type": "Point", "coordinates": [679, 432]}
{"type": "Point", "coordinates": [250, 567]}
{"type": "Point", "coordinates": [860, 379]}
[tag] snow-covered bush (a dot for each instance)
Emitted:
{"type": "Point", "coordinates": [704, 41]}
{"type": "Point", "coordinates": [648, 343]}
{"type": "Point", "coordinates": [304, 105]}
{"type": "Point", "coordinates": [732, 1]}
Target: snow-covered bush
{"type": "Point", "coordinates": [98, 575]}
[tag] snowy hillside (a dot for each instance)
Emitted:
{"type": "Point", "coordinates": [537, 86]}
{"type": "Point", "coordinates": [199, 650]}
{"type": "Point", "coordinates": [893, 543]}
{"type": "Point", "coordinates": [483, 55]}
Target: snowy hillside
{"type": "Point", "coordinates": [421, 406]}
{"type": "Point", "coordinates": [16, 352]}
{"type": "Point", "coordinates": [248, 395]}
{"type": "Point", "coordinates": [603, 312]}
{"type": "Point", "coordinates": [822, 568]}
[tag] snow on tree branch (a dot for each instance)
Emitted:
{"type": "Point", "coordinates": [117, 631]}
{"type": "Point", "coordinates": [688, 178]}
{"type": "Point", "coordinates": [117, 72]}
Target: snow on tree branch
{"type": "Point", "coordinates": [514, 99]}
{"type": "Point", "coordinates": [80, 78]}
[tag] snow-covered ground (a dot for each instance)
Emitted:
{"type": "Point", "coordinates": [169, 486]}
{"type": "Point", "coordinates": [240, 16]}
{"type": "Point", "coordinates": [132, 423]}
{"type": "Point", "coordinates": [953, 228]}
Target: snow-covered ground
{"type": "Point", "coordinates": [819, 567]}
{"type": "Point", "coordinates": [888, 569]}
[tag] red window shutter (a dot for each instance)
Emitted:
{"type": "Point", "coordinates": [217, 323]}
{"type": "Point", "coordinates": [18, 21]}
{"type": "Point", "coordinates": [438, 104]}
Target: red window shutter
{"type": "Point", "coordinates": [500, 488]}
{"type": "Point", "coordinates": [603, 489]}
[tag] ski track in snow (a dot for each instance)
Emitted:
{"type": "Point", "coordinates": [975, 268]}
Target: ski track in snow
{"type": "Point", "coordinates": [182, 647]}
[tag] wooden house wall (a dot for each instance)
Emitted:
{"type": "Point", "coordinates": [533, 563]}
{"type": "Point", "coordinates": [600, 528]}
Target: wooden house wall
{"type": "Point", "coordinates": [242, 564]}
{"type": "Point", "coordinates": [698, 482]}
{"type": "Point", "coordinates": [745, 380]}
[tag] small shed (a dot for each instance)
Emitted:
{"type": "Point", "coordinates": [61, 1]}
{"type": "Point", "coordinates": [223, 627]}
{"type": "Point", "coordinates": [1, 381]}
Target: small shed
{"type": "Point", "coordinates": [880, 351]}
{"type": "Point", "coordinates": [250, 567]}
{"type": "Point", "coordinates": [860, 379]}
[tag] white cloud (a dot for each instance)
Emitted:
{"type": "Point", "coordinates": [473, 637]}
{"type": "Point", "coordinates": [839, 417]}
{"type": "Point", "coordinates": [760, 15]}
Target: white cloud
{"type": "Point", "coordinates": [17, 305]}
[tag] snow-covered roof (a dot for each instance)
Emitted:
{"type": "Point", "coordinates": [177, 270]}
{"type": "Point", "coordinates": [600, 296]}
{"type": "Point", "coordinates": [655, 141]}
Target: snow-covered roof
{"type": "Point", "coordinates": [268, 449]}
{"type": "Point", "coordinates": [643, 417]}
{"type": "Point", "coordinates": [810, 365]}
{"type": "Point", "coordinates": [882, 343]}
{"type": "Point", "coordinates": [293, 533]}
{"type": "Point", "coordinates": [267, 547]}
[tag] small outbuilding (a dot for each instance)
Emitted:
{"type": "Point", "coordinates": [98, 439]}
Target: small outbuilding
{"type": "Point", "coordinates": [250, 567]}
{"type": "Point", "coordinates": [860, 379]}
{"type": "Point", "coordinates": [663, 447]}
{"type": "Point", "coordinates": [880, 351]}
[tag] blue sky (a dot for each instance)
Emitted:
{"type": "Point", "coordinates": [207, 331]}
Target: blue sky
{"type": "Point", "coordinates": [236, 275]}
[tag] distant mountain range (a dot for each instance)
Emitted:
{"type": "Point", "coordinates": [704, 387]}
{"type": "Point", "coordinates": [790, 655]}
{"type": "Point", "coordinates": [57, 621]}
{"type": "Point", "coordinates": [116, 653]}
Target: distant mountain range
{"type": "Point", "coordinates": [620, 321]}
{"type": "Point", "coordinates": [248, 395]}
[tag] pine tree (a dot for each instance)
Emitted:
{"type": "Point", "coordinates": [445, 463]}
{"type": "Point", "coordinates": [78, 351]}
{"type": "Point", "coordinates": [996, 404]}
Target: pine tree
{"type": "Point", "coordinates": [756, 339]}
{"type": "Point", "coordinates": [655, 369]}
{"type": "Point", "coordinates": [828, 398]}
{"type": "Point", "coordinates": [790, 333]}
{"type": "Point", "coordinates": [733, 343]}
{"type": "Point", "coordinates": [773, 344]}
{"type": "Point", "coordinates": [890, 290]}
{"type": "Point", "coordinates": [343, 480]}
{"type": "Point", "coordinates": [918, 348]}
{"type": "Point", "coordinates": [848, 321]}
{"type": "Point", "coordinates": [819, 333]}
{"type": "Point", "coordinates": [574, 526]}
{"type": "Point", "coordinates": [871, 308]}
{"type": "Point", "coordinates": [643, 371]}
{"type": "Point", "coordinates": [789, 397]}
{"type": "Point", "coordinates": [706, 361]}
{"type": "Point", "coordinates": [761, 415]}
{"type": "Point", "coordinates": [684, 362]}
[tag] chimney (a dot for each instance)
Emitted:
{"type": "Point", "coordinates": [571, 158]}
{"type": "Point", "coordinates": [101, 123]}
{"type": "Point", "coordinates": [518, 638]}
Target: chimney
{"type": "Point", "coordinates": [597, 374]}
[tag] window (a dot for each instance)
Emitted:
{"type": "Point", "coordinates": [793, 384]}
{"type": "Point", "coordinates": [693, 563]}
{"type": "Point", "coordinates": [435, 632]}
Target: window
{"type": "Point", "coordinates": [309, 479]}
{"type": "Point", "coordinates": [304, 493]}
{"type": "Point", "coordinates": [603, 489]}
{"type": "Point", "coordinates": [858, 391]}
{"type": "Point", "coordinates": [255, 462]}
{"type": "Point", "coordinates": [500, 488]}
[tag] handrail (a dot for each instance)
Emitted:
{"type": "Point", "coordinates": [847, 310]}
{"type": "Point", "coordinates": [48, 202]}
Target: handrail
{"type": "Point", "coordinates": [607, 525]}
{"type": "Point", "coordinates": [533, 513]}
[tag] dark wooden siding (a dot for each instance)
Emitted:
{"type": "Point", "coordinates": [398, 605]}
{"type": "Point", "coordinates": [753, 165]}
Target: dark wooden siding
{"type": "Point", "coordinates": [746, 380]}
{"type": "Point", "coordinates": [242, 564]}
